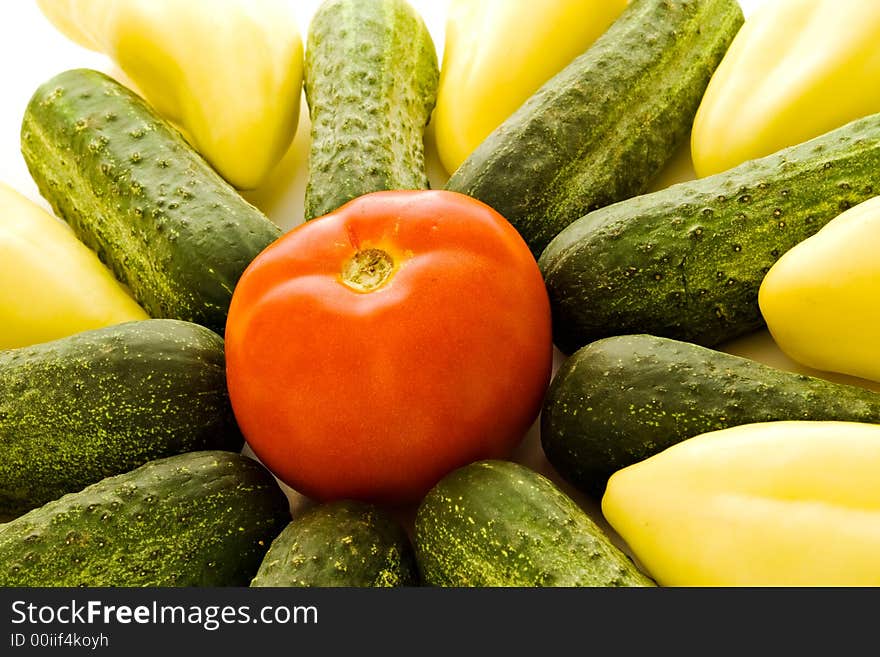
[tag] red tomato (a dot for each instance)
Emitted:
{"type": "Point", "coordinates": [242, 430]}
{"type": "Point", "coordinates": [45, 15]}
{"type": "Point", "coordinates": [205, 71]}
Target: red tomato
{"type": "Point", "coordinates": [371, 351]}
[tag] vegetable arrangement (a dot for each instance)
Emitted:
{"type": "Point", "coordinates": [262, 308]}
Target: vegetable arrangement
{"type": "Point", "coordinates": [433, 329]}
{"type": "Point", "coordinates": [390, 354]}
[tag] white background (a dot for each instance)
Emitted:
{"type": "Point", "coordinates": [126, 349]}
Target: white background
{"type": "Point", "coordinates": [32, 52]}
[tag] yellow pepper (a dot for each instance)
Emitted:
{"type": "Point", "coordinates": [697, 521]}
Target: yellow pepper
{"type": "Point", "coordinates": [51, 285]}
{"type": "Point", "coordinates": [821, 300]}
{"type": "Point", "coordinates": [796, 69]}
{"type": "Point", "coordinates": [498, 53]}
{"type": "Point", "coordinates": [228, 72]}
{"type": "Point", "coordinates": [771, 504]}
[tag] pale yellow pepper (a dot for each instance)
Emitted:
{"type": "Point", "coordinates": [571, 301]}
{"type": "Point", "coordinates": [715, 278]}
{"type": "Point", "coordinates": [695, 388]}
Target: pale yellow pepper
{"type": "Point", "coordinates": [821, 300]}
{"type": "Point", "coordinates": [228, 72]}
{"type": "Point", "coordinates": [773, 504]}
{"type": "Point", "coordinates": [51, 285]}
{"type": "Point", "coordinates": [497, 53]}
{"type": "Point", "coordinates": [797, 69]}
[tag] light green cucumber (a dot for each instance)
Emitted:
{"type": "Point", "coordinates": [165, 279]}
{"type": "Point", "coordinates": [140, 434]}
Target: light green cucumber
{"type": "Point", "coordinates": [497, 523]}
{"type": "Point", "coordinates": [102, 402]}
{"type": "Point", "coordinates": [136, 193]}
{"type": "Point", "coordinates": [342, 543]}
{"type": "Point", "coordinates": [371, 81]}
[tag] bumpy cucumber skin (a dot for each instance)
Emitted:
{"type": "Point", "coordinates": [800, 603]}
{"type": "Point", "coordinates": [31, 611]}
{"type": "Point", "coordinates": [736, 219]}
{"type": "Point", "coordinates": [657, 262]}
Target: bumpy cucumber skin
{"type": "Point", "coordinates": [497, 523]}
{"type": "Point", "coordinates": [342, 543]}
{"type": "Point", "coordinates": [197, 519]}
{"type": "Point", "coordinates": [687, 262]}
{"type": "Point", "coordinates": [103, 402]}
{"type": "Point", "coordinates": [620, 400]}
{"type": "Point", "coordinates": [603, 127]}
{"type": "Point", "coordinates": [371, 79]}
{"type": "Point", "coordinates": [136, 193]}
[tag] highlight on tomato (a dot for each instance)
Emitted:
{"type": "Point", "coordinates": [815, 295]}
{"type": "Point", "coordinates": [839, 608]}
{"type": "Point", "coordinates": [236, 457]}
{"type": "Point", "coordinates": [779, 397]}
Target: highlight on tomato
{"type": "Point", "coordinates": [372, 350]}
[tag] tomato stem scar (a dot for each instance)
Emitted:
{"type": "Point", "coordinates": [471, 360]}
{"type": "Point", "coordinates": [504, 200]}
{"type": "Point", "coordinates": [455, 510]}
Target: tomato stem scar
{"type": "Point", "coordinates": [367, 270]}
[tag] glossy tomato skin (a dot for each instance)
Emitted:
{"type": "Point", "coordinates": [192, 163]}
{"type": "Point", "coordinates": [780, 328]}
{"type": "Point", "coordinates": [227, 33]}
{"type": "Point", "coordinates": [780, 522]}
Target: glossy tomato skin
{"type": "Point", "coordinates": [376, 395]}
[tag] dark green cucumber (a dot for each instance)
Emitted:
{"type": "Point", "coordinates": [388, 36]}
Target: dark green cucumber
{"type": "Point", "coordinates": [602, 128]}
{"type": "Point", "coordinates": [497, 523]}
{"type": "Point", "coordinates": [134, 191]}
{"type": "Point", "coordinates": [687, 262]}
{"type": "Point", "coordinates": [620, 400]}
{"type": "Point", "coordinates": [197, 519]}
{"type": "Point", "coordinates": [341, 543]}
{"type": "Point", "coordinates": [371, 83]}
{"type": "Point", "coordinates": [103, 402]}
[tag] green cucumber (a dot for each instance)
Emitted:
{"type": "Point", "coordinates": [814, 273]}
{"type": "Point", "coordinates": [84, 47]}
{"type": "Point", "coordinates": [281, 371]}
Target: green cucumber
{"type": "Point", "coordinates": [371, 81]}
{"type": "Point", "coordinates": [603, 127]}
{"type": "Point", "coordinates": [497, 523]}
{"type": "Point", "coordinates": [620, 400]}
{"type": "Point", "coordinates": [687, 262]}
{"type": "Point", "coordinates": [102, 402]}
{"type": "Point", "coordinates": [137, 194]}
{"type": "Point", "coordinates": [341, 543]}
{"type": "Point", "coordinates": [197, 519]}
